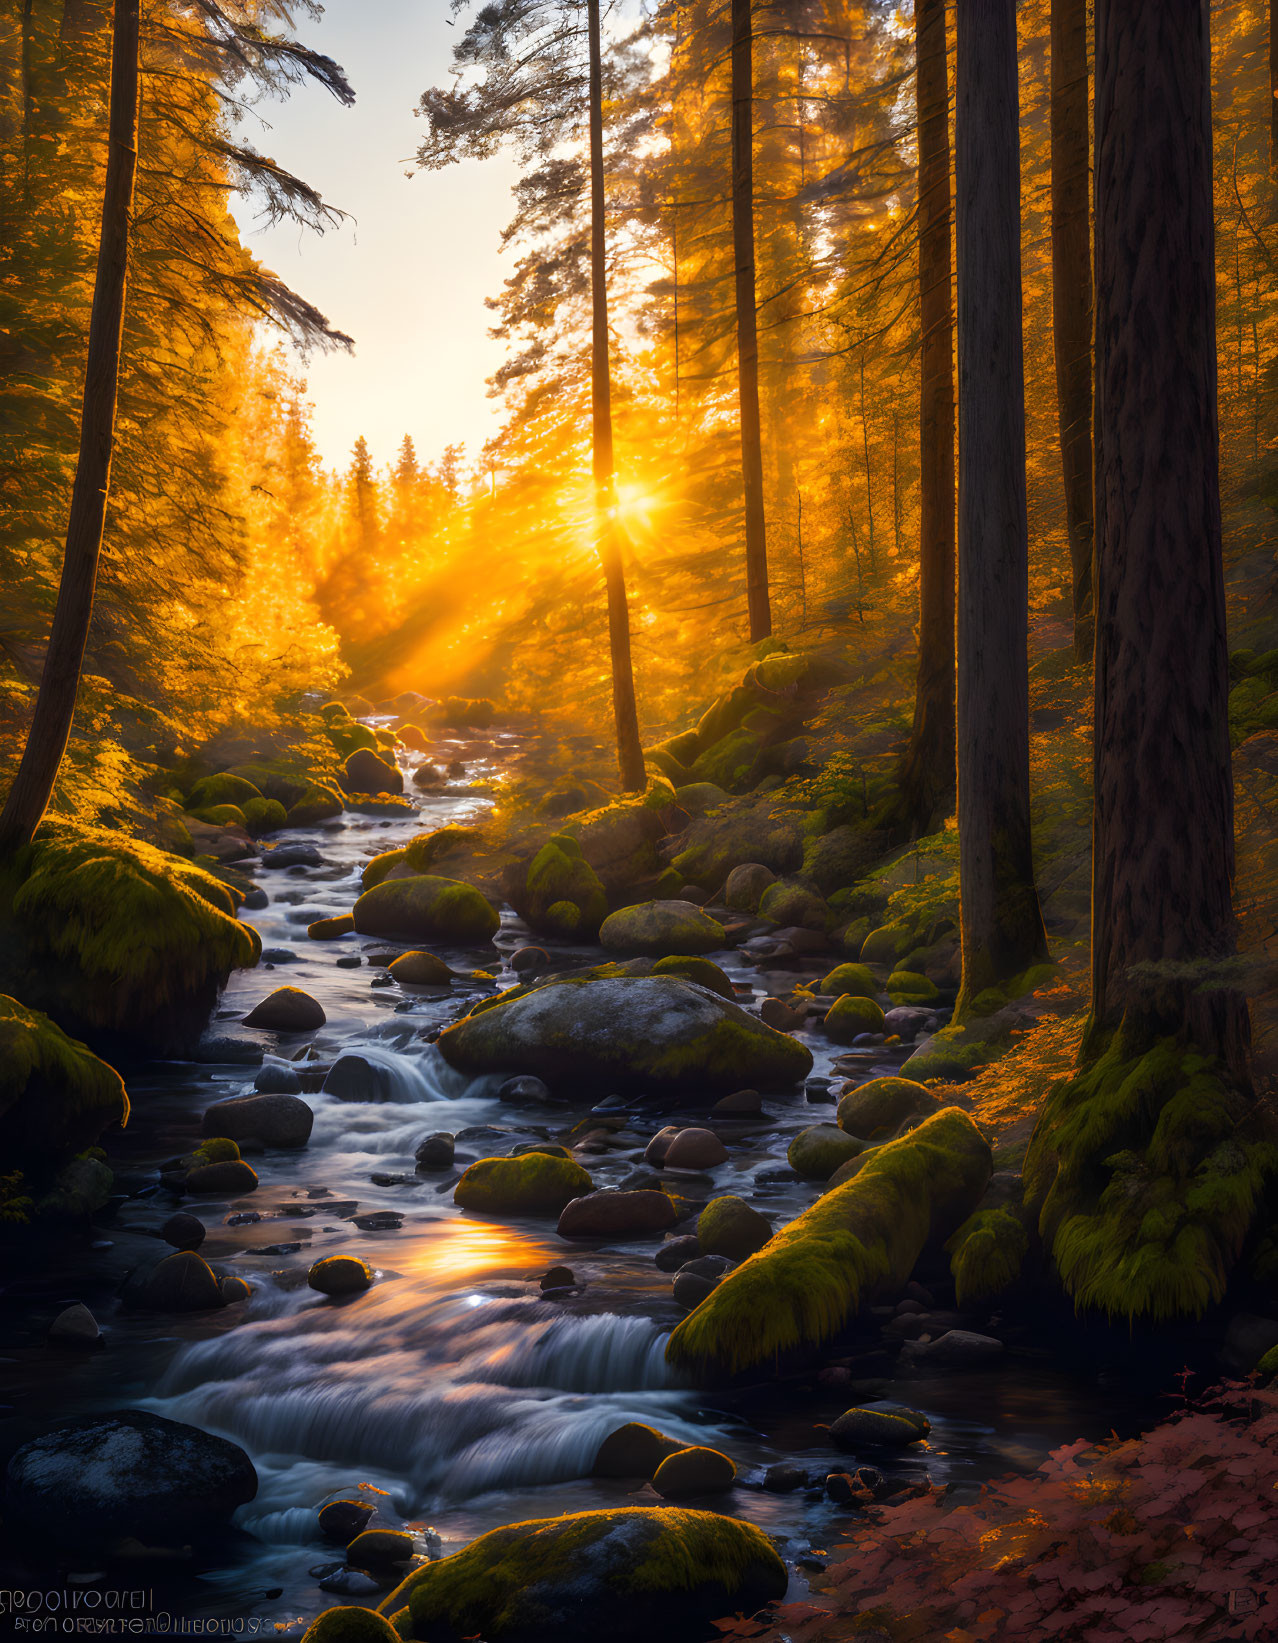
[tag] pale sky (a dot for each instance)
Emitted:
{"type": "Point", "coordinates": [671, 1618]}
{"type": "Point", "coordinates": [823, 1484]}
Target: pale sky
{"type": "Point", "coordinates": [408, 277]}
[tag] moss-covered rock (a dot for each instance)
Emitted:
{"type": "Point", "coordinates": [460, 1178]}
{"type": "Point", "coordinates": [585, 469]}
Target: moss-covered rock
{"type": "Point", "coordinates": [987, 1254]}
{"type": "Point", "coordinates": [222, 815]}
{"type": "Point", "coordinates": [733, 763]}
{"type": "Point", "coordinates": [535, 1183]}
{"type": "Point", "coordinates": [790, 902]}
{"type": "Point", "coordinates": [224, 788]}
{"type": "Point", "coordinates": [851, 1015]}
{"type": "Point", "coordinates": [340, 1275]}
{"type": "Point", "coordinates": [463, 713]}
{"type": "Point", "coordinates": [700, 970]}
{"type": "Point", "coordinates": [331, 929]}
{"type": "Point", "coordinates": [658, 929]}
{"type": "Point", "coordinates": [262, 816]}
{"type": "Point", "coordinates": [753, 830]}
{"type": "Point", "coordinates": [1146, 1174]}
{"type": "Point", "coordinates": [426, 908]}
{"type": "Point", "coordinates": [956, 1052]}
{"type": "Point", "coordinates": [562, 894]}
{"type": "Point", "coordinates": [849, 978]}
{"type": "Point", "coordinates": [819, 1150]}
{"type": "Point", "coordinates": [421, 970]}
{"type": "Point", "coordinates": [349, 1624]}
{"type": "Point", "coordinates": [696, 798]}
{"type": "Point", "coordinates": [316, 803]}
{"type": "Point", "coordinates": [746, 885]}
{"type": "Point", "coordinates": [56, 1097]}
{"type": "Point", "coordinates": [641, 1034]}
{"type": "Point", "coordinates": [906, 987]}
{"type": "Point", "coordinates": [379, 868]}
{"type": "Point", "coordinates": [379, 1548]}
{"type": "Point", "coordinates": [876, 1111]}
{"type": "Point", "coordinates": [629, 1574]}
{"type": "Point", "coordinates": [285, 779]}
{"type": "Point", "coordinates": [694, 1471]}
{"type": "Point", "coordinates": [857, 1239]}
{"type": "Point", "coordinates": [111, 935]}
{"type": "Point", "coordinates": [367, 772]}
{"type": "Point", "coordinates": [887, 945]}
{"type": "Point", "coordinates": [729, 1226]}
{"type": "Point", "coordinates": [878, 1428]}
{"type": "Point", "coordinates": [633, 1451]}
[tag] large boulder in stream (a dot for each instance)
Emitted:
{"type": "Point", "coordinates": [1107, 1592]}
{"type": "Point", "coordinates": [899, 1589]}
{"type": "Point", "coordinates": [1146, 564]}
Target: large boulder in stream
{"type": "Point", "coordinates": [628, 1574]}
{"type": "Point", "coordinates": [654, 1035]}
{"type": "Point", "coordinates": [95, 1481]}
{"type": "Point", "coordinates": [426, 908]}
{"type": "Point", "coordinates": [536, 1183]}
{"type": "Point", "coordinates": [274, 1120]}
{"type": "Point", "coordinates": [657, 929]}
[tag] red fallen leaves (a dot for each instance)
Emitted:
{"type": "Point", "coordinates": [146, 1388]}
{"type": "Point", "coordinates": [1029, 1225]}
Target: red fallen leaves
{"type": "Point", "coordinates": [1170, 1536]}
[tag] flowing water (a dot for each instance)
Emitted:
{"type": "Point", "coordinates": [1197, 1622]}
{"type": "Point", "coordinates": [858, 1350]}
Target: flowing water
{"type": "Point", "coordinates": [453, 1386]}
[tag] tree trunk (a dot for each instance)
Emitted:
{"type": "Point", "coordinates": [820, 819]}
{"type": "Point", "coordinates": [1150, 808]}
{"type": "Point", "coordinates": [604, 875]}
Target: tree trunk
{"type": "Point", "coordinates": [1001, 925]}
{"type": "Point", "coordinates": [607, 524]}
{"type": "Point", "coordinates": [927, 772]}
{"type": "Point", "coordinates": [60, 682]}
{"type": "Point", "coordinates": [1072, 297]}
{"type": "Point", "coordinates": [1273, 86]}
{"type": "Point", "coordinates": [756, 543]}
{"type": "Point", "coordinates": [1163, 850]}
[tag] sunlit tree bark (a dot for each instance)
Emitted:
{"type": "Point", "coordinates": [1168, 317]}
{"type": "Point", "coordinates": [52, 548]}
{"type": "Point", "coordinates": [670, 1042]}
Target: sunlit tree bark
{"type": "Point", "coordinates": [927, 771]}
{"type": "Point", "coordinates": [60, 681]}
{"type": "Point", "coordinates": [756, 545]}
{"type": "Point", "coordinates": [607, 524]}
{"type": "Point", "coordinates": [1000, 922]}
{"type": "Point", "coordinates": [1163, 831]}
{"type": "Point", "coordinates": [1072, 296]}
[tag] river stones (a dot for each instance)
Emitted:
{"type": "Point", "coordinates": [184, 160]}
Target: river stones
{"type": "Point", "coordinates": [536, 1183]}
{"type": "Point", "coordinates": [745, 886]}
{"type": "Point", "coordinates": [677, 1252]}
{"type": "Point", "coordinates": [287, 1010]}
{"type": "Point", "coordinates": [331, 929]}
{"type": "Point", "coordinates": [76, 1328]}
{"type": "Point", "coordinates": [657, 929]}
{"type": "Point", "coordinates": [100, 1479]}
{"type": "Point", "coordinates": [274, 1120]}
{"type": "Point", "coordinates": [729, 1226]}
{"type": "Point", "coordinates": [887, 945]}
{"type": "Point", "coordinates": [654, 1035]}
{"type": "Point", "coordinates": [274, 1079]}
{"type": "Point", "coordinates": [699, 970]}
{"type": "Point", "coordinates": [375, 1548]}
{"type": "Point", "coordinates": [857, 979]}
{"type": "Point", "coordinates": [348, 1624]}
{"type": "Point", "coordinates": [877, 1110]}
{"type": "Point", "coordinates": [181, 1282]}
{"type": "Point", "coordinates": [340, 1275]}
{"type": "Point", "coordinates": [227, 1179]}
{"type": "Point", "coordinates": [850, 1016]}
{"type": "Point", "coordinates": [418, 969]}
{"type": "Point", "coordinates": [699, 1278]}
{"type": "Point", "coordinates": [629, 1574]}
{"type": "Point", "coordinates": [820, 1149]}
{"type": "Point", "coordinates": [365, 772]}
{"type": "Point", "coordinates": [183, 1231]}
{"type": "Point", "coordinates": [436, 1151]}
{"type": "Point", "coordinates": [695, 1149]}
{"type": "Point", "coordinates": [656, 1150]}
{"type": "Point", "coordinates": [426, 907]}
{"type": "Point", "coordinates": [341, 1520]}
{"type": "Point", "coordinates": [694, 1471]}
{"type": "Point", "coordinates": [633, 1451]}
{"type": "Point", "coordinates": [878, 1428]}
{"type": "Point", "coordinates": [955, 1349]}
{"type": "Point", "coordinates": [615, 1214]}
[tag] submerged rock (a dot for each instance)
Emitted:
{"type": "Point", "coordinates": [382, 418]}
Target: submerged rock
{"type": "Point", "coordinates": [633, 1034]}
{"type": "Point", "coordinates": [100, 1479]}
{"type": "Point", "coordinates": [628, 1575]}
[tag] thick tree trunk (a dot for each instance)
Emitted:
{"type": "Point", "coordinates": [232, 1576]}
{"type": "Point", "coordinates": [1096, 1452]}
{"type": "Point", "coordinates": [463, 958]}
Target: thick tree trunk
{"type": "Point", "coordinates": [607, 525]}
{"type": "Point", "coordinates": [756, 542]}
{"type": "Point", "coordinates": [1001, 926]}
{"type": "Point", "coordinates": [1273, 86]}
{"type": "Point", "coordinates": [60, 682]}
{"type": "Point", "coordinates": [1163, 851]}
{"type": "Point", "coordinates": [927, 770]}
{"type": "Point", "coordinates": [1072, 297]}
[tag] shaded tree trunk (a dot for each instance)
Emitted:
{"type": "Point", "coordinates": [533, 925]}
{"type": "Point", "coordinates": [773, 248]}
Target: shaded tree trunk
{"type": "Point", "coordinates": [607, 524]}
{"type": "Point", "coordinates": [926, 778]}
{"type": "Point", "coordinates": [1273, 86]}
{"type": "Point", "coordinates": [756, 542]}
{"type": "Point", "coordinates": [1000, 922]}
{"type": "Point", "coordinates": [1163, 853]}
{"type": "Point", "coordinates": [32, 788]}
{"type": "Point", "coordinates": [1072, 297]}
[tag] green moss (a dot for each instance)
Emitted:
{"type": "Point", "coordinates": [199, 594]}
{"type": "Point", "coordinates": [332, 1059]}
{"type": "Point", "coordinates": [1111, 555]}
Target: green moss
{"type": "Point", "coordinates": [807, 1284]}
{"type": "Point", "coordinates": [849, 978]}
{"type": "Point", "coordinates": [426, 849]}
{"type": "Point", "coordinates": [285, 779]}
{"type": "Point", "coordinates": [955, 1052]}
{"type": "Point", "coordinates": [348, 737]}
{"type": "Point", "coordinates": [987, 1254]}
{"type": "Point", "coordinates": [222, 815]}
{"type": "Point", "coordinates": [379, 867]}
{"type": "Point", "coordinates": [563, 894]}
{"type": "Point", "coordinates": [535, 1183]}
{"type": "Point", "coordinates": [669, 1569]}
{"type": "Point", "coordinates": [224, 788]}
{"type": "Point", "coordinates": [659, 929]}
{"type": "Point", "coordinates": [264, 816]}
{"type": "Point", "coordinates": [1268, 1364]}
{"type": "Point", "coordinates": [350, 1625]}
{"type": "Point", "coordinates": [141, 929]}
{"type": "Point", "coordinates": [1146, 1174]}
{"type": "Point", "coordinates": [425, 907]}
{"type": "Point", "coordinates": [331, 712]}
{"type": "Point", "coordinates": [877, 1110]}
{"type": "Point", "coordinates": [904, 987]}
{"type": "Point", "coordinates": [851, 1015]}
{"type": "Point", "coordinates": [729, 1226]}
{"type": "Point", "coordinates": [816, 1152]}
{"type": "Point", "coordinates": [701, 970]}
{"type": "Point", "coordinates": [789, 903]}
{"type": "Point", "coordinates": [56, 1096]}
{"type": "Point", "coordinates": [888, 944]}
{"type": "Point", "coordinates": [316, 803]}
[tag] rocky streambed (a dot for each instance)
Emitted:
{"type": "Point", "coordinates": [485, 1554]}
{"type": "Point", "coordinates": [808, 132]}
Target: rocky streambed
{"type": "Point", "coordinates": [475, 1380]}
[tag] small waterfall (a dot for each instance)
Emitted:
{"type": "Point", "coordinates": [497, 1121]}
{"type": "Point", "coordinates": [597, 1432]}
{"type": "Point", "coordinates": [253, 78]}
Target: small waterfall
{"type": "Point", "coordinates": [372, 1072]}
{"type": "Point", "coordinates": [605, 1353]}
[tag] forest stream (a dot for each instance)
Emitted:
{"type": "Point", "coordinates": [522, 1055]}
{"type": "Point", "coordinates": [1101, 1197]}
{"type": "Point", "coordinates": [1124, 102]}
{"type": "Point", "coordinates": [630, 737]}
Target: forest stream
{"type": "Point", "coordinates": [453, 1392]}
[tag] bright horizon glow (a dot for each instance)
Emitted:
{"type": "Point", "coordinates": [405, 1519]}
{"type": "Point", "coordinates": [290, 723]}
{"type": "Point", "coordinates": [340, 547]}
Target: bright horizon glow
{"type": "Point", "coordinates": [407, 278]}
